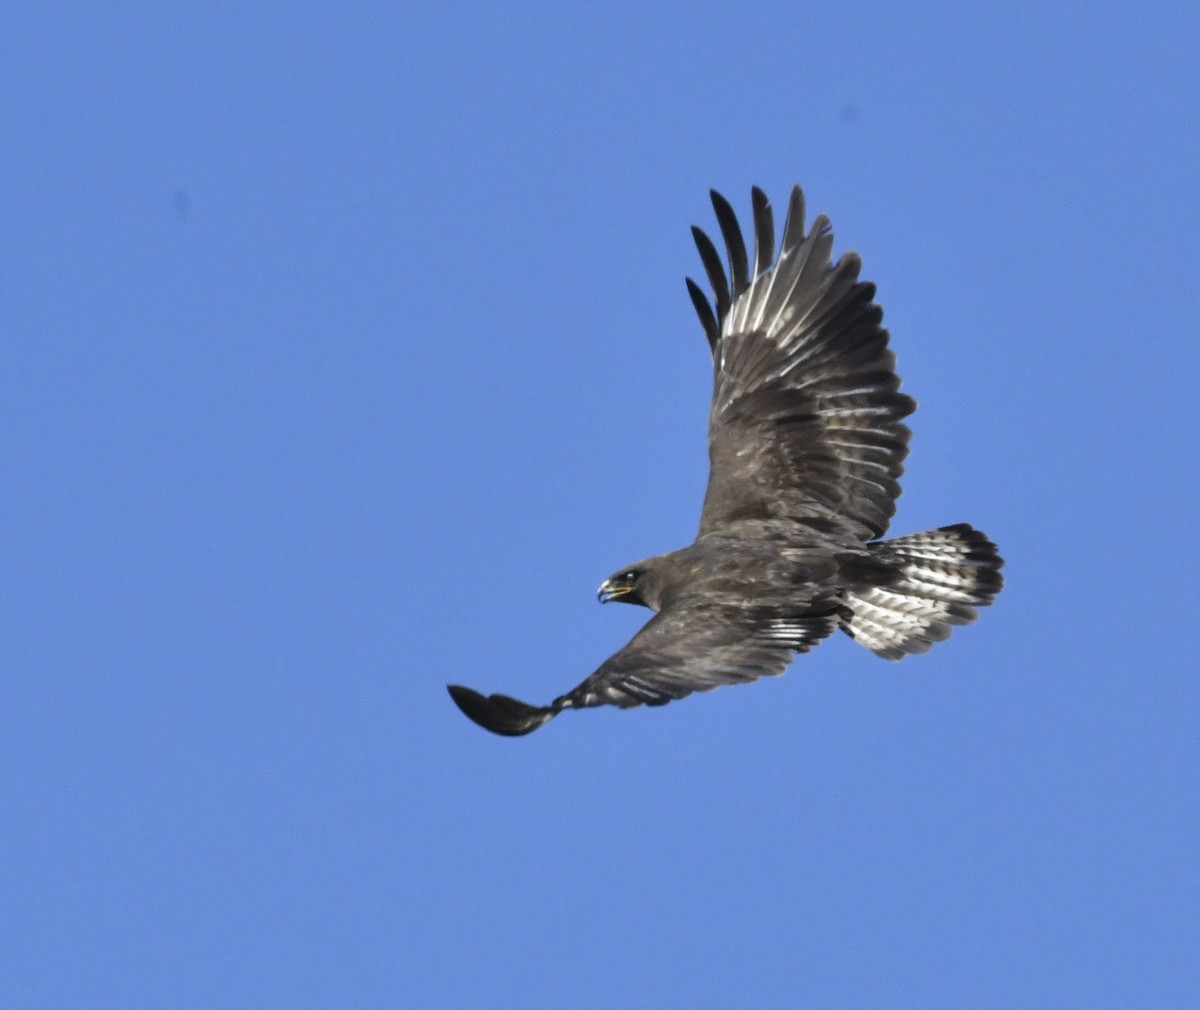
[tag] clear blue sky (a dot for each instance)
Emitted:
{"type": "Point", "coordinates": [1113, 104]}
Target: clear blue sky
{"type": "Point", "coordinates": [344, 350]}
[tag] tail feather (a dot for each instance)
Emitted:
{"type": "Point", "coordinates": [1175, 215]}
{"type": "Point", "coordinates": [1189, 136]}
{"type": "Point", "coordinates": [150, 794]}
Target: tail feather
{"type": "Point", "coordinates": [938, 579]}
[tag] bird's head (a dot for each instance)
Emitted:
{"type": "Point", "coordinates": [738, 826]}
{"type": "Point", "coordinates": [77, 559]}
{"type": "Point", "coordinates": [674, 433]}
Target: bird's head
{"type": "Point", "coordinates": [635, 584]}
{"type": "Point", "coordinates": [623, 587]}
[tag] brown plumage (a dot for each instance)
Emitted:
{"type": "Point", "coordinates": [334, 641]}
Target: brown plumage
{"type": "Point", "coordinates": [806, 445]}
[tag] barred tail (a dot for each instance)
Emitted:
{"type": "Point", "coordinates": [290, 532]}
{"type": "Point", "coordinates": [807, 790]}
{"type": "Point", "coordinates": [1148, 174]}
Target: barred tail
{"type": "Point", "coordinates": [938, 579]}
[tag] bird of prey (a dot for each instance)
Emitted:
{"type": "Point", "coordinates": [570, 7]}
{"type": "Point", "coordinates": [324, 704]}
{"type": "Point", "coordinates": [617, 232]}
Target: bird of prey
{"type": "Point", "coordinates": [807, 442]}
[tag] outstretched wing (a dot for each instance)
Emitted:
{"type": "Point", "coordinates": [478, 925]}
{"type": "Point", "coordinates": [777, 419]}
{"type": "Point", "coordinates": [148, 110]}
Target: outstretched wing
{"type": "Point", "coordinates": [806, 418]}
{"type": "Point", "coordinates": [680, 650]}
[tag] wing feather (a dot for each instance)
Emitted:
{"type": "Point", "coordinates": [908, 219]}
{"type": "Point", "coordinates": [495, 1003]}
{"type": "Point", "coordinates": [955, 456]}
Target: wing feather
{"type": "Point", "coordinates": [807, 416]}
{"type": "Point", "coordinates": [698, 648]}
{"type": "Point", "coordinates": [764, 231]}
{"type": "Point", "coordinates": [735, 245]}
{"type": "Point", "coordinates": [681, 650]}
{"type": "Point", "coordinates": [715, 271]}
{"type": "Point", "coordinates": [712, 329]}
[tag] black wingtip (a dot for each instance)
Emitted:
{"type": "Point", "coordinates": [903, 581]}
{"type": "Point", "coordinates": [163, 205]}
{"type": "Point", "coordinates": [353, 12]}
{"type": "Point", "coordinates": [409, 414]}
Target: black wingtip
{"type": "Point", "coordinates": [793, 227]}
{"type": "Point", "coordinates": [499, 713]}
{"type": "Point", "coordinates": [714, 269]}
{"type": "Point", "coordinates": [712, 329]}
{"type": "Point", "coordinates": [764, 231]}
{"type": "Point", "coordinates": [735, 245]}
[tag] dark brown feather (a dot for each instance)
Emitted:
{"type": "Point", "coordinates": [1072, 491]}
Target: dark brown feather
{"type": "Point", "coordinates": [735, 245]}
{"type": "Point", "coordinates": [764, 231]}
{"type": "Point", "coordinates": [715, 271]}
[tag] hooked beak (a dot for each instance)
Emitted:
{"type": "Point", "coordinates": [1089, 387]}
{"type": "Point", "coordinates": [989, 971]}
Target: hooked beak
{"type": "Point", "coordinates": [608, 591]}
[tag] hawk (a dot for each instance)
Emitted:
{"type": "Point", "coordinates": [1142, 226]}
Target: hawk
{"type": "Point", "coordinates": [807, 443]}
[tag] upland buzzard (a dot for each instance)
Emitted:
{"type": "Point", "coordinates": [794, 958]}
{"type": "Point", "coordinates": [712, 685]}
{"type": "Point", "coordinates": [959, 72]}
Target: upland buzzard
{"type": "Point", "coordinates": [806, 444]}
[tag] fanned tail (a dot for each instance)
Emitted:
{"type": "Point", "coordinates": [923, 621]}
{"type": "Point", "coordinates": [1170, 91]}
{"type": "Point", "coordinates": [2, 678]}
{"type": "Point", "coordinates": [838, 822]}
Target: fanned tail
{"type": "Point", "coordinates": [938, 580]}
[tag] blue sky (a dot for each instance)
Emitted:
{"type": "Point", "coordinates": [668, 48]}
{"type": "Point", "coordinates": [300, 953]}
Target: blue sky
{"type": "Point", "coordinates": [344, 350]}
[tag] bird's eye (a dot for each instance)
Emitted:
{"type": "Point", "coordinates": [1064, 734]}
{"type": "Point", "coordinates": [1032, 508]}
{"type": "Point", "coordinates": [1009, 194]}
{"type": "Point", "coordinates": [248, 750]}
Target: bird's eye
{"type": "Point", "coordinates": [629, 577]}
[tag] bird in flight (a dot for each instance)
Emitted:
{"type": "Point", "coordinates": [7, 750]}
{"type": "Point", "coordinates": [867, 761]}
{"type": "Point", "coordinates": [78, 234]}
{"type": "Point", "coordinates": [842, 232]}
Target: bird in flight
{"type": "Point", "coordinates": [807, 443]}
